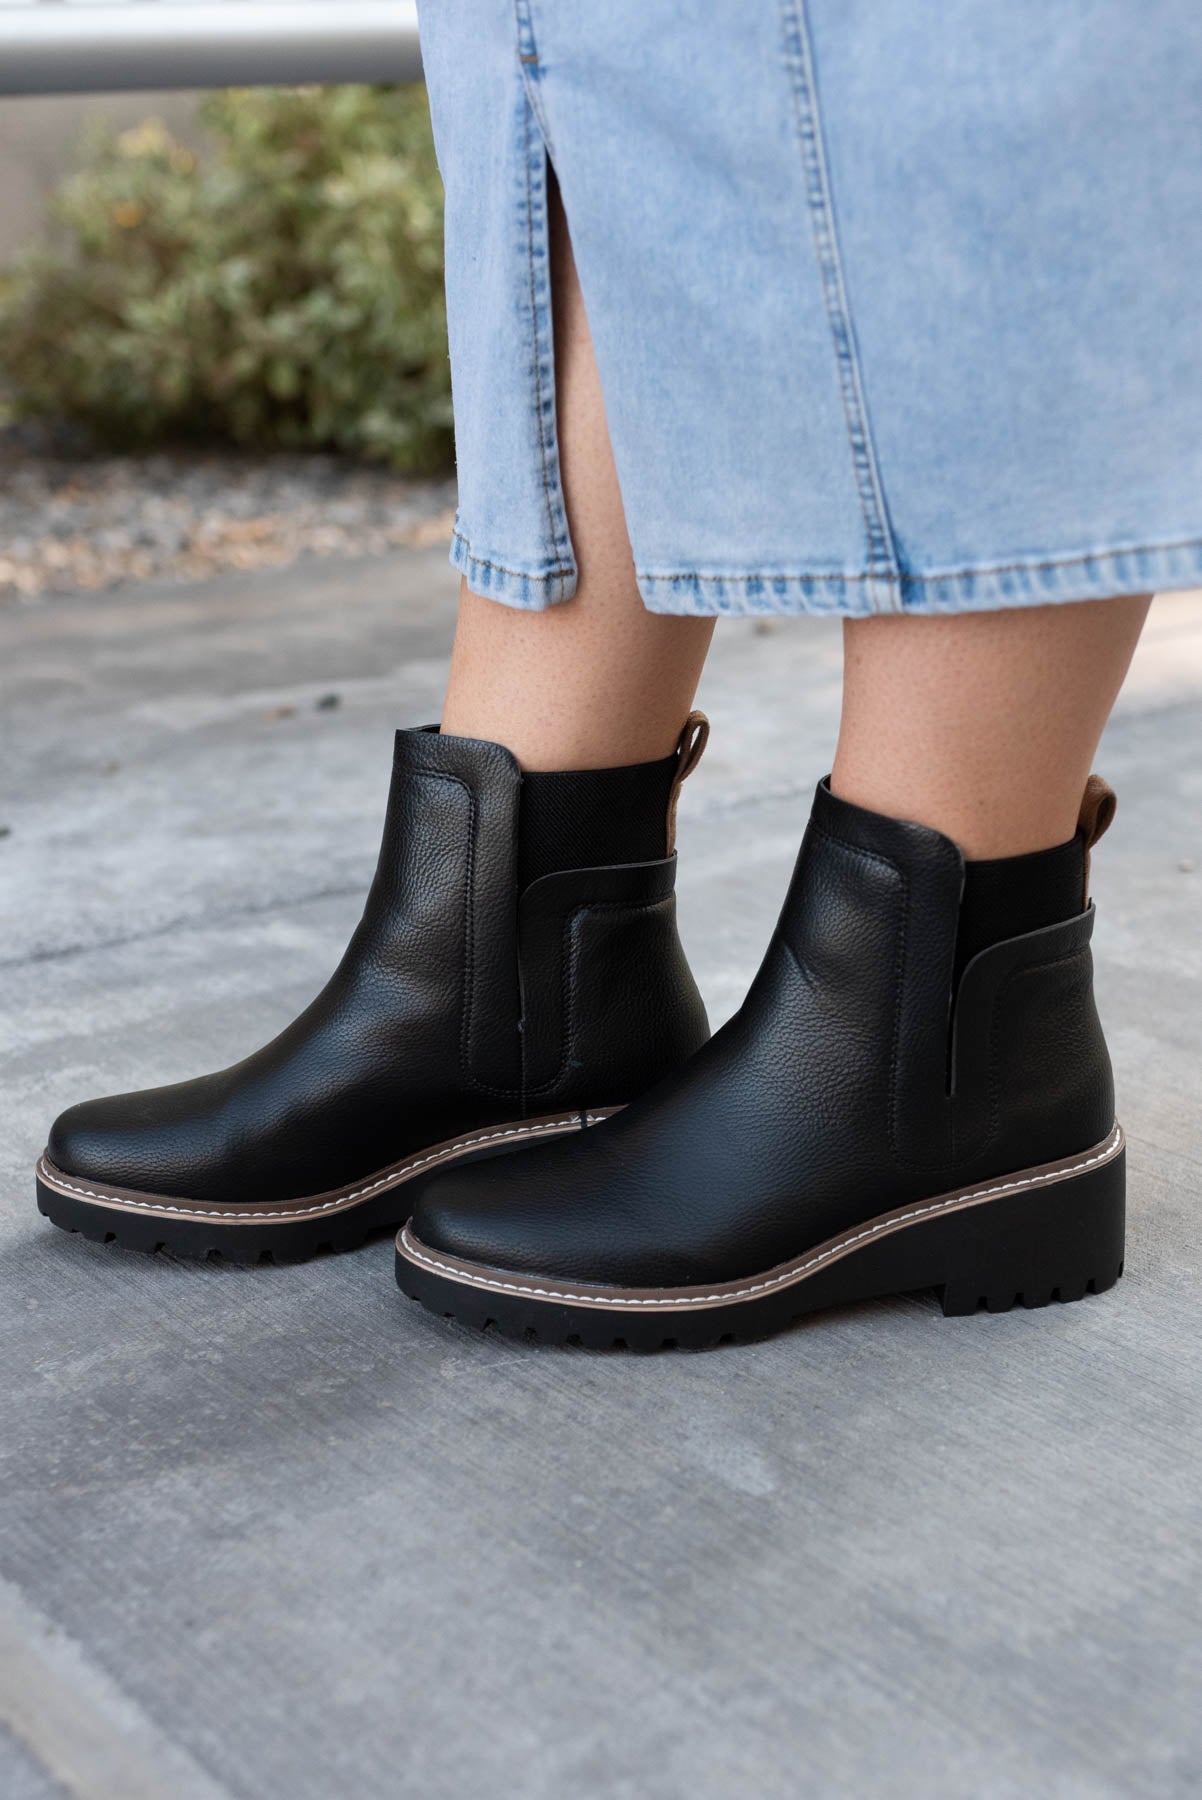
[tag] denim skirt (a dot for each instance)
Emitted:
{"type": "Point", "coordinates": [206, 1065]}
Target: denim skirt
{"type": "Point", "coordinates": [897, 304]}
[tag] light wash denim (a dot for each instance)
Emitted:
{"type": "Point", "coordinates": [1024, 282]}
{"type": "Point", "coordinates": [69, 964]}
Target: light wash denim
{"type": "Point", "coordinates": [897, 304]}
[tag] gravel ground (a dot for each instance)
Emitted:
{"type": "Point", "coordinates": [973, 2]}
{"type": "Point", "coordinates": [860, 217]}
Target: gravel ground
{"type": "Point", "coordinates": [68, 523]}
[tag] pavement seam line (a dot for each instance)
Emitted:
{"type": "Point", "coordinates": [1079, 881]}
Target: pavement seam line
{"type": "Point", "coordinates": [699, 814]}
{"type": "Point", "coordinates": [90, 1735]}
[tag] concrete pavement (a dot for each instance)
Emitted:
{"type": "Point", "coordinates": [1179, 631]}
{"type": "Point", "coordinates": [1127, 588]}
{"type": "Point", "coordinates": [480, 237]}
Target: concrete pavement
{"type": "Point", "coordinates": [277, 1533]}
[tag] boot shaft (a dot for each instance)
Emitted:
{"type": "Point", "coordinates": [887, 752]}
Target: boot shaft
{"type": "Point", "coordinates": [572, 993]}
{"type": "Point", "coordinates": [1004, 1067]}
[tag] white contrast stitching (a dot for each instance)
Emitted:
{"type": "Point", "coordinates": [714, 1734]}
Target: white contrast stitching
{"type": "Point", "coordinates": [413, 1250]}
{"type": "Point", "coordinates": [233, 1213]}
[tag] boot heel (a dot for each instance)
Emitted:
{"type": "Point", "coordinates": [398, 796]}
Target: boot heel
{"type": "Point", "coordinates": [1058, 1242]}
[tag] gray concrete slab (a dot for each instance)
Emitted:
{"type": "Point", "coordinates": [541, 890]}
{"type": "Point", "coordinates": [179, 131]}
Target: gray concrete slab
{"type": "Point", "coordinates": [277, 1533]}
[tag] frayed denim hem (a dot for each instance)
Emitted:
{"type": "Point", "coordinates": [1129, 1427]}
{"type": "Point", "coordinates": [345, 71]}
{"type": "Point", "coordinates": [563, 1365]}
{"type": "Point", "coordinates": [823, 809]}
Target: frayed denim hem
{"type": "Point", "coordinates": [1100, 575]}
{"type": "Point", "coordinates": [495, 578]}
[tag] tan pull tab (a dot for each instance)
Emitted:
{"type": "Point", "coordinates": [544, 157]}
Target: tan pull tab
{"type": "Point", "coordinates": [1098, 806]}
{"type": "Point", "coordinates": [690, 747]}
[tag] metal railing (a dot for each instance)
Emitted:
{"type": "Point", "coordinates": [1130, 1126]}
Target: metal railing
{"type": "Point", "coordinates": [80, 46]}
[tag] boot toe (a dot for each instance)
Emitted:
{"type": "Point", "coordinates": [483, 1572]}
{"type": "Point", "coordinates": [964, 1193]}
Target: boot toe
{"type": "Point", "coordinates": [90, 1141]}
{"type": "Point", "coordinates": [473, 1213]}
{"type": "Point", "coordinates": [118, 1141]}
{"type": "Point", "coordinates": [537, 1211]}
{"type": "Point", "coordinates": [558, 1210]}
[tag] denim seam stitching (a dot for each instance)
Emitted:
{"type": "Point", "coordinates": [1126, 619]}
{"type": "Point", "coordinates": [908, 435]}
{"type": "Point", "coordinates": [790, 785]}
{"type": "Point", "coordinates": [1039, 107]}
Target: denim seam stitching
{"type": "Point", "coordinates": [529, 65]}
{"type": "Point", "coordinates": [549, 574]}
{"type": "Point", "coordinates": [545, 450]}
{"type": "Point", "coordinates": [904, 576]}
{"type": "Point", "coordinates": [882, 559]}
{"type": "Point", "coordinates": [549, 450]}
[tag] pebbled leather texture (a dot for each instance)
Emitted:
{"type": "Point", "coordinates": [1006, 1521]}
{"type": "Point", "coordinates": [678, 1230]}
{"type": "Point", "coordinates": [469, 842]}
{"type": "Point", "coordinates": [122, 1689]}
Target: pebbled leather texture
{"type": "Point", "coordinates": [419, 1035]}
{"type": "Point", "coordinates": [845, 1086]}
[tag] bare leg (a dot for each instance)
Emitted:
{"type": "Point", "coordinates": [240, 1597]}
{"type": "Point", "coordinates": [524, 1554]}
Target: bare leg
{"type": "Point", "coordinates": [982, 725]}
{"type": "Point", "coordinates": [597, 681]}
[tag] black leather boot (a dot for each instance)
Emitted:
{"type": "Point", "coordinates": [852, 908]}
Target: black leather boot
{"type": "Point", "coordinates": [468, 1016]}
{"type": "Point", "coordinates": [858, 1129]}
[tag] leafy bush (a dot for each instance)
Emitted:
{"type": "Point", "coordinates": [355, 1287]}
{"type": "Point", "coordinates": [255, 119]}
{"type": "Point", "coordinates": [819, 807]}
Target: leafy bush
{"type": "Point", "coordinates": [285, 290]}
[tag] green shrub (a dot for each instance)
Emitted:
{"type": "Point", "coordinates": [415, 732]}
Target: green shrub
{"type": "Point", "coordinates": [283, 291]}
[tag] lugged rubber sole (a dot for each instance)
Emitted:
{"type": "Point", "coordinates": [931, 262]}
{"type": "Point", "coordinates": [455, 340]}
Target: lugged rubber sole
{"type": "Point", "coordinates": [280, 1230]}
{"type": "Point", "coordinates": [1054, 1232]}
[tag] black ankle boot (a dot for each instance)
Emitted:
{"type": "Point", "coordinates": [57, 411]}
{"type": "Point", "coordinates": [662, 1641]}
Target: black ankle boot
{"type": "Point", "coordinates": [466, 1017]}
{"type": "Point", "coordinates": [857, 1129]}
